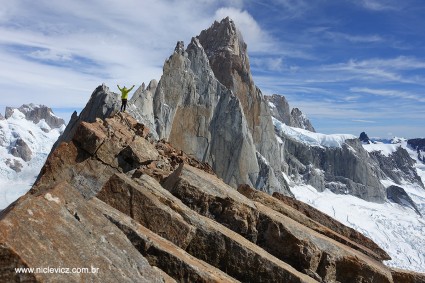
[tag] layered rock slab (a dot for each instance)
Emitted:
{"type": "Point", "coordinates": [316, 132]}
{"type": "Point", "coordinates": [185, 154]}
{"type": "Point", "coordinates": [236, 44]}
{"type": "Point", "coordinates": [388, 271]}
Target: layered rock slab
{"type": "Point", "coordinates": [202, 237]}
{"type": "Point", "coordinates": [358, 242]}
{"type": "Point", "coordinates": [58, 228]}
{"type": "Point", "coordinates": [322, 218]}
{"type": "Point", "coordinates": [303, 248]}
{"type": "Point", "coordinates": [171, 259]}
{"type": "Point", "coordinates": [97, 151]}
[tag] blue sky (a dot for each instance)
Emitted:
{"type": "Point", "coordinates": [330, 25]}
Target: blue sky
{"type": "Point", "coordinates": [349, 65]}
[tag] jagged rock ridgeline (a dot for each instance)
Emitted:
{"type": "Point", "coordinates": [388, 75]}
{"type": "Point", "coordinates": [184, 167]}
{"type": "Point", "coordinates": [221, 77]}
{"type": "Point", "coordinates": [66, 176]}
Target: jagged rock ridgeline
{"type": "Point", "coordinates": [398, 166]}
{"type": "Point", "coordinates": [36, 113]}
{"type": "Point", "coordinates": [343, 170]}
{"type": "Point", "coordinates": [216, 112]}
{"type": "Point", "coordinates": [399, 195]}
{"type": "Point", "coordinates": [280, 109]}
{"type": "Point", "coordinates": [142, 211]}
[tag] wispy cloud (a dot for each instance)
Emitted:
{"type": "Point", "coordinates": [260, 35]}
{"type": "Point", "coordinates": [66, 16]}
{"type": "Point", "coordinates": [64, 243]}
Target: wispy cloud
{"type": "Point", "coordinates": [364, 121]}
{"type": "Point", "coordinates": [287, 9]}
{"type": "Point", "coordinates": [379, 5]}
{"type": "Point", "coordinates": [389, 93]}
{"type": "Point", "coordinates": [380, 69]}
{"type": "Point", "coordinates": [339, 36]}
{"type": "Point", "coordinates": [257, 39]}
{"type": "Point", "coordinates": [57, 46]}
{"type": "Point", "coordinates": [264, 63]}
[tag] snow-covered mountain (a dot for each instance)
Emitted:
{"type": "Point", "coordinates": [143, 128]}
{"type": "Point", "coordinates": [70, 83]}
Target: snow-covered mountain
{"type": "Point", "coordinates": [396, 227]}
{"type": "Point", "coordinates": [27, 134]}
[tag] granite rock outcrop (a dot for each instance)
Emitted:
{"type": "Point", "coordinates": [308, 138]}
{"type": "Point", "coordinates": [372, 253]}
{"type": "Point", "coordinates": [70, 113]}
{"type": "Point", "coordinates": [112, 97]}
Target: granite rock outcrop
{"type": "Point", "coordinates": [216, 113]}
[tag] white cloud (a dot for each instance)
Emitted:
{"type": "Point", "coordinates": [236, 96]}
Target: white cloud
{"type": "Point", "coordinates": [364, 121]}
{"type": "Point", "coordinates": [274, 64]}
{"type": "Point", "coordinates": [379, 69]}
{"type": "Point", "coordinates": [256, 38]}
{"type": "Point", "coordinates": [388, 93]}
{"type": "Point", "coordinates": [57, 52]}
{"type": "Point", "coordinates": [379, 5]}
{"type": "Point", "coordinates": [354, 38]}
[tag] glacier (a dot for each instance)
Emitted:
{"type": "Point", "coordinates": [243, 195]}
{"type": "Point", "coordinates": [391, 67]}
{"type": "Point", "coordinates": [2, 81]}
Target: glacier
{"type": "Point", "coordinates": [398, 229]}
{"type": "Point", "coordinates": [39, 137]}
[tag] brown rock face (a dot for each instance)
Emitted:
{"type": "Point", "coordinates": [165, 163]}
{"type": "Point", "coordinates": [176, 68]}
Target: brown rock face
{"type": "Point", "coordinates": [60, 229]}
{"type": "Point", "coordinates": [332, 224]}
{"type": "Point", "coordinates": [138, 211]}
{"type": "Point", "coordinates": [296, 243]}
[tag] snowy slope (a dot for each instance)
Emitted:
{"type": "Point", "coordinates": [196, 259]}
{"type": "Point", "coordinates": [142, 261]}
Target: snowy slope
{"type": "Point", "coordinates": [397, 229]}
{"type": "Point", "coordinates": [311, 138]}
{"type": "Point", "coordinates": [38, 137]}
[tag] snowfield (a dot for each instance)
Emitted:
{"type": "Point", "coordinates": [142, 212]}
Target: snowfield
{"type": "Point", "coordinates": [311, 138]}
{"type": "Point", "coordinates": [39, 138]}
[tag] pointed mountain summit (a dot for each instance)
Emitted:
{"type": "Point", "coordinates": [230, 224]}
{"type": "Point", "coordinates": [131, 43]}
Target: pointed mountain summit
{"type": "Point", "coordinates": [216, 113]}
{"type": "Point", "coordinates": [227, 52]}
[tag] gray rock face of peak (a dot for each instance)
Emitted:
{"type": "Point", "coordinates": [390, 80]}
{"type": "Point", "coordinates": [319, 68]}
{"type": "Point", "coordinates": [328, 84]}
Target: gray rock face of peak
{"type": "Point", "coordinates": [228, 59]}
{"type": "Point", "coordinates": [398, 195]}
{"type": "Point", "coordinates": [398, 166]}
{"type": "Point", "coordinates": [280, 110]}
{"type": "Point", "coordinates": [223, 39]}
{"type": "Point", "coordinates": [345, 170]}
{"type": "Point", "coordinates": [102, 104]}
{"type": "Point", "coordinates": [299, 120]}
{"type": "Point", "coordinates": [203, 118]}
{"type": "Point", "coordinates": [279, 107]}
{"type": "Point", "coordinates": [140, 106]}
{"type": "Point", "coordinates": [36, 113]}
{"type": "Point", "coordinates": [1, 117]}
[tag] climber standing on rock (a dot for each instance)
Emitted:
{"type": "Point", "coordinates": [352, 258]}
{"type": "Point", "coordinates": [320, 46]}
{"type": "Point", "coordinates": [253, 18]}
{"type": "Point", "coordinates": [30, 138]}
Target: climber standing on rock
{"type": "Point", "coordinates": [124, 96]}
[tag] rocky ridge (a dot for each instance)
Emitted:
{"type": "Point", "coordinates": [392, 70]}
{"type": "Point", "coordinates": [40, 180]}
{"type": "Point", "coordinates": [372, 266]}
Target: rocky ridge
{"type": "Point", "coordinates": [139, 210]}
